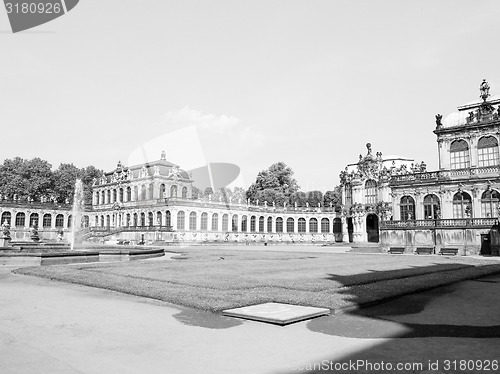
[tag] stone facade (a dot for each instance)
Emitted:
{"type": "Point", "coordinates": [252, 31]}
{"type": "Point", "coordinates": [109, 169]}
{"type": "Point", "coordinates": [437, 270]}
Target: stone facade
{"type": "Point", "coordinates": [455, 206]}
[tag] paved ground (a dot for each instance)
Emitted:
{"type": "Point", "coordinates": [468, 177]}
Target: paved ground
{"type": "Point", "coordinates": [53, 327]}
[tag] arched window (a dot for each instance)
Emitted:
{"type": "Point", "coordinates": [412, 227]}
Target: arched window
{"type": "Point", "coordinates": [108, 221]}
{"type": "Point", "coordinates": [313, 225]}
{"type": "Point", "coordinates": [431, 207]}
{"type": "Point", "coordinates": [162, 190]}
{"type": "Point", "coordinates": [337, 226]}
{"type": "Point", "coordinates": [127, 220]}
{"type": "Point", "coordinates": [459, 154]}
{"type": "Point", "coordinates": [86, 221]}
{"type": "Point", "coordinates": [181, 220]}
{"type": "Point", "coordinates": [103, 199]}
{"type": "Point", "coordinates": [143, 219]}
{"type": "Point", "coordinates": [407, 208]}
{"type": "Point", "coordinates": [129, 194]}
{"type": "Point", "coordinates": [325, 225]}
{"type": "Point", "coordinates": [290, 225]}
{"type": "Point", "coordinates": [279, 224]}
{"type": "Point", "coordinates": [143, 192]}
{"type": "Point", "coordinates": [97, 202]}
{"type": "Point", "coordinates": [301, 225]}
{"type": "Point", "coordinates": [215, 222]}
{"type": "Point", "coordinates": [135, 219]}
{"type": "Point", "coordinates": [487, 151]}
{"type": "Point", "coordinates": [151, 191]}
{"type": "Point", "coordinates": [234, 221]}
{"type": "Point", "coordinates": [70, 221]}
{"type": "Point", "coordinates": [192, 221]}
{"type": "Point", "coordinates": [253, 220]}
{"type": "Point", "coordinates": [261, 224]}
{"type": "Point", "coordinates": [47, 220]}
{"type": "Point", "coordinates": [269, 224]}
{"type": "Point", "coordinates": [168, 218]}
{"type": "Point", "coordinates": [370, 192]}
{"type": "Point", "coordinates": [6, 216]}
{"type": "Point", "coordinates": [151, 221]}
{"type": "Point", "coordinates": [114, 196]}
{"type": "Point", "coordinates": [173, 191]}
{"type": "Point", "coordinates": [184, 192]}
{"type": "Point", "coordinates": [59, 221]}
{"type": "Point", "coordinates": [204, 221]}
{"type": "Point", "coordinates": [462, 205]}
{"type": "Point", "coordinates": [244, 223]}
{"type": "Point", "coordinates": [121, 195]}
{"type": "Point", "coordinates": [33, 219]}
{"type": "Point", "coordinates": [20, 219]}
{"type": "Point", "coordinates": [108, 196]}
{"type": "Point", "coordinates": [348, 194]}
{"type": "Point", "coordinates": [489, 203]}
{"type": "Point", "coordinates": [136, 193]}
{"type": "Point", "coordinates": [225, 223]}
{"type": "Point", "coordinates": [159, 219]}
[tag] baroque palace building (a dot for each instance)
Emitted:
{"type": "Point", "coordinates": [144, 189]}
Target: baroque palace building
{"type": "Point", "coordinates": [154, 203]}
{"type": "Point", "coordinates": [397, 202]}
{"type": "Point", "coordinates": [390, 200]}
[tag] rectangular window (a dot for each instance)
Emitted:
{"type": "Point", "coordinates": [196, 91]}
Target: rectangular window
{"type": "Point", "coordinates": [460, 159]}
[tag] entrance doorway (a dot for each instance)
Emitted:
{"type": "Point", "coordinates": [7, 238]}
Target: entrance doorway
{"type": "Point", "coordinates": [485, 244]}
{"type": "Point", "coordinates": [350, 229]}
{"type": "Point", "coordinates": [372, 228]}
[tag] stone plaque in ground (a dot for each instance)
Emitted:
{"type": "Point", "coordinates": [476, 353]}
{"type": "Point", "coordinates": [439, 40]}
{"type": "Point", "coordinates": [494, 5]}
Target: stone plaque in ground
{"type": "Point", "coordinates": [277, 313]}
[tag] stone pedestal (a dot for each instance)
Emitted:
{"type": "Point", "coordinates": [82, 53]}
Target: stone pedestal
{"type": "Point", "coordinates": [4, 242]}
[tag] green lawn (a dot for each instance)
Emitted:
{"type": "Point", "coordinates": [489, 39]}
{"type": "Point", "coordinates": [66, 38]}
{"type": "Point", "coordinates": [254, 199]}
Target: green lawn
{"type": "Point", "coordinates": [216, 279]}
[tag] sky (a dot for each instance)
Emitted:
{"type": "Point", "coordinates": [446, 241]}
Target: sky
{"type": "Point", "coordinates": [252, 83]}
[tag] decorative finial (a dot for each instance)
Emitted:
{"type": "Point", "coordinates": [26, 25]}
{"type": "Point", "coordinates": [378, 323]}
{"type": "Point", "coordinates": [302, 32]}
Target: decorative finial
{"type": "Point", "coordinates": [484, 88]}
{"type": "Point", "coordinates": [369, 147]}
{"type": "Point", "coordinates": [163, 156]}
{"type": "Point", "coordinates": [119, 165]}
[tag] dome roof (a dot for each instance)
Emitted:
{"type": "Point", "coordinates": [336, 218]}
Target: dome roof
{"type": "Point", "coordinates": [455, 119]}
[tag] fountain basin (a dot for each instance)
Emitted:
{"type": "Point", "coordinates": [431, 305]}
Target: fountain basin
{"type": "Point", "coordinates": [56, 256]}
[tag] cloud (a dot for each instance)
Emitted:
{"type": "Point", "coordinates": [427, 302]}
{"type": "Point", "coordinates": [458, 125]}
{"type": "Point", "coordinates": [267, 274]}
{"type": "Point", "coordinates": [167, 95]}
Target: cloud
{"type": "Point", "coordinates": [191, 117]}
{"type": "Point", "coordinates": [229, 126]}
{"type": "Point", "coordinates": [182, 146]}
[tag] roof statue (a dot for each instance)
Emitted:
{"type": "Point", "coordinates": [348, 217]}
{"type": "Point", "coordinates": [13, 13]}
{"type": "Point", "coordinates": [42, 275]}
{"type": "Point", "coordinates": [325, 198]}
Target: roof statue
{"type": "Point", "coordinates": [163, 156]}
{"type": "Point", "coordinates": [439, 117]}
{"type": "Point", "coordinates": [484, 88]}
{"type": "Point", "coordinates": [369, 147]}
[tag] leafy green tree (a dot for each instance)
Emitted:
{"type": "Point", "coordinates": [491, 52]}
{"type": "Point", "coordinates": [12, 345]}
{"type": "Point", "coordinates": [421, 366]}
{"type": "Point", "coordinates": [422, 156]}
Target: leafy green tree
{"type": "Point", "coordinates": [64, 179]}
{"type": "Point", "coordinates": [276, 182]}
{"type": "Point", "coordinates": [26, 179]}
{"type": "Point", "coordinates": [298, 197]}
{"type": "Point", "coordinates": [208, 191]}
{"type": "Point", "coordinates": [88, 175]}
{"type": "Point", "coordinates": [314, 198]}
{"type": "Point", "coordinates": [335, 197]}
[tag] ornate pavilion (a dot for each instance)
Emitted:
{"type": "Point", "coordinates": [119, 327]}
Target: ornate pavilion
{"type": "Point", "coordinates": [397, 202]}
{"type": "Point", "coordinates": [153, 203]}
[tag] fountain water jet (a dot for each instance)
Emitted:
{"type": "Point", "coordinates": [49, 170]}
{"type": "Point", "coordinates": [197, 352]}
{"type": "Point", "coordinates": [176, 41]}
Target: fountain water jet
{"type": "Point", "coordinates": [77, 210]}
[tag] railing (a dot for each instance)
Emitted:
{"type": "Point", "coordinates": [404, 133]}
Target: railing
{"type": "Point", "coordinates": [206, 203]}
{"type": "Point", "coordinates": [445, 174]}
{"type": "Point", "coordinates": [439, 223]}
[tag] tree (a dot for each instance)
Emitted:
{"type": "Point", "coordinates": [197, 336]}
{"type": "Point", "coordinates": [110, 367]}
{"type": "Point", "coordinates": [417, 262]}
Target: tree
{"type": "Point", "coordinates": [314, 198]}
{"type": "Point", "coordinates": [335, 197]}
{"type": "Point", "coordinates": [299, 198]}
{"type": "Point", "coordinates": [26, 179]}
{"type": "Point", "coordinates": [208, 191]}
{"type": "Point", "coordinates": [278, 178]}
{"type": "Point", "coordinates": [64, 179]}
{"type": "Point", "coordinates": [88, 176]}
